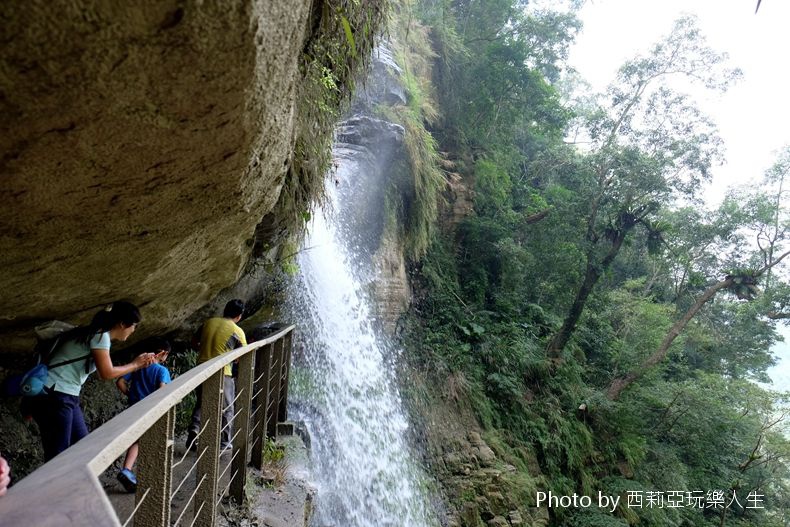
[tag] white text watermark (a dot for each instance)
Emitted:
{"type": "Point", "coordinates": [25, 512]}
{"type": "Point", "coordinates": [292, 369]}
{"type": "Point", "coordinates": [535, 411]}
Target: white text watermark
{"type": "Point", "coordinates": [654, 499]}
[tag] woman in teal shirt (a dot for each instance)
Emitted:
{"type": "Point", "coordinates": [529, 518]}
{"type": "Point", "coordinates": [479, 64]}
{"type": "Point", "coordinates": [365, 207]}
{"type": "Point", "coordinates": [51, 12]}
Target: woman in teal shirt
{"type": "Point", "coordinates": [58, 411]}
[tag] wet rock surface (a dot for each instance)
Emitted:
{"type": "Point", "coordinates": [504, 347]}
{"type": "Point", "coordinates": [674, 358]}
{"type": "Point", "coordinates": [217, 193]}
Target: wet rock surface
{"type": "Point", "coordinates": [370, 146]}
{"type": "Point", "coordinates": [287, 502]}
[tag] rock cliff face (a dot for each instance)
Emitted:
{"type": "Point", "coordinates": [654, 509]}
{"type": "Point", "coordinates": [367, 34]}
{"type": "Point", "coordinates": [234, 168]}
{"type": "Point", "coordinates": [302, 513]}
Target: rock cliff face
{"type": "Point", "coordinates": [141, 143]}
{"type": "Point", "coordinates": [373, 151]}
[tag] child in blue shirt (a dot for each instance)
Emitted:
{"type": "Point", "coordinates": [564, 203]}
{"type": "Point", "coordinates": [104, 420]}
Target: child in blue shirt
{"type": "Point", "coordinates": [138, 385]}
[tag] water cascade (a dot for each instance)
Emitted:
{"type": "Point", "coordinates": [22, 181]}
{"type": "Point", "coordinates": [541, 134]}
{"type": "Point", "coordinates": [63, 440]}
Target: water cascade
{"type": "Point", "coordinates": [344, 390]}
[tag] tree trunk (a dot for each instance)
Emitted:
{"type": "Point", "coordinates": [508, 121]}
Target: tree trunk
{"type": "Point", "coordinates": [591, 276]}
{"type": "Point", "coordinates": [562, 337]}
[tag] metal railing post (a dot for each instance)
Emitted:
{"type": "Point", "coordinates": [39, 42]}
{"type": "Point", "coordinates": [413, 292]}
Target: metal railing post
{"type": "Point", "coordinates": [208, 450]}
{"type": "Point", "coordinates": [273, 403]}
{"type": "Point", "coordinates": [263, 360]}
{"type": "Point", "coordinates": [241, 424]}
{"type": "Point", "coordinates": [155, 472]}
{"type": "Point", "coordinates": [282, 413]}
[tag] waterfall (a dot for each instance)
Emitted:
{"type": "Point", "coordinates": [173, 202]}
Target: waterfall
{"type": "Point", "coordinates": [362, 467]}
{"type": "Point", "coordinates": [343, 382]}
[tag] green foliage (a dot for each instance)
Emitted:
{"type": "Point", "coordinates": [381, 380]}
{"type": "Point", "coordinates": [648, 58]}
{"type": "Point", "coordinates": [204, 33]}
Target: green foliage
{"type": "Point", "coordinates": [634, 326]}
{"type": "Point", "coordinates": [421, 209]}
{"type": "Point", "coordinates": [273, 452]}
{"type": "Point", "coordinates": [288, 252]}
{"type": "Point", "coordinates": [493, 187]}
{"type": "Point", "coordinates": [491, 294]}
{"type": "Point", "coordinates": [491, 74]}
{"type": "Point", "coordinates": [179, 363]}
{"type": "Point", "coordinates": [593, 518]}
{"type": "Point", "coordinates": [349, 36]}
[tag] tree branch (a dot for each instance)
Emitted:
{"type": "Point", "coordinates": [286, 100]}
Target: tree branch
{"type": "Point", "coordinates": [534, 218]}
{"type": "Point", "coordinates": [618, 385]}
{"type": "Point", "coordinates": [769, 265]}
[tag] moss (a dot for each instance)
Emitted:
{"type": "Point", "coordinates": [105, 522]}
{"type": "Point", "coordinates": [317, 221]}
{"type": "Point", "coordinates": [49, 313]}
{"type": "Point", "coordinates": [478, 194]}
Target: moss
{"type": "Point", "coordinates": [419, 204]}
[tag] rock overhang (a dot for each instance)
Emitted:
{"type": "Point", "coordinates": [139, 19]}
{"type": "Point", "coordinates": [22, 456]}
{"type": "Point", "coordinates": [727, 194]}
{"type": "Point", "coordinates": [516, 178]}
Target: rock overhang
{"type": "Point", "coordinates": [141, 145]}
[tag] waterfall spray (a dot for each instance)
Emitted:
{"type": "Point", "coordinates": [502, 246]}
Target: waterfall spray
{"type": "Point", "coordinates": [363, 467]}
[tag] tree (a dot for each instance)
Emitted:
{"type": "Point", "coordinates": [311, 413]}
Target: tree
{"type": "Point", "coordinates": [707, 432]}
{"type": "Point", "coordinates": [494, 290]}
{"type": "Point", "coordinates": [740, 284]}
{"type": "Point", "coordinates": [497, 59]}
{"type": "Point", "coordinates": [771, 219]}
{"type": "Point", "coordinates": [764, 466]}
{"type": "Point", "coordinates": [648, 145]}
{"type": "Point", "coordinates": [763, 213]}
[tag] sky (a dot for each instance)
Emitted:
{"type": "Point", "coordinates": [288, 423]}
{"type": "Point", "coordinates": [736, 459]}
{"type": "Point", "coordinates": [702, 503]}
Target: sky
{"type": "Point", "coordinates": [753, 116]}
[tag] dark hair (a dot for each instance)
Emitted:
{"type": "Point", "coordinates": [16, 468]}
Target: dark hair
{"type": "Point", "coordinates": [119, 312]}
{"type": "Point", "coordinates": [156, 344]}
{"type": "Point", "coordinates": [234, 308]}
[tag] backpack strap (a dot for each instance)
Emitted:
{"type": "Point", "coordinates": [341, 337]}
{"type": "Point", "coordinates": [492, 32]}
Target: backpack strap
{"type": "Point", "coordinates": [53, 351]}
{"type": "Point", "coordinates": [70, 361]}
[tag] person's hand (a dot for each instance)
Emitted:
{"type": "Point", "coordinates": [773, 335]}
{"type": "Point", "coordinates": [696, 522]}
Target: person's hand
{"type": "Point", "coordinates": [159, 357]}
{"type": "Point", "coordinates": [143, 360]}
{"type": "Point", "coordinates": [5, 476]}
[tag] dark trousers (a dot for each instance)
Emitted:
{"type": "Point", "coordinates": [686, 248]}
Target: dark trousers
{"type": "Point", "coordinates": [60, 420]}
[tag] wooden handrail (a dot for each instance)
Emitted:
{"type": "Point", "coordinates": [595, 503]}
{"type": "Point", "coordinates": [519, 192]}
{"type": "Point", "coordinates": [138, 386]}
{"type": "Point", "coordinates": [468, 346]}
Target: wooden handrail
{"type": "Point", "coordinates": [66, 490]}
